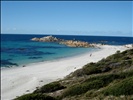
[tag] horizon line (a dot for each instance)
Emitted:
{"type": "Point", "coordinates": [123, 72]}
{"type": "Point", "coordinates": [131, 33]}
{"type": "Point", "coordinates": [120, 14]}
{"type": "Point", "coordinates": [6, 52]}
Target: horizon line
{"type": "Point", "coordinates": [64, 34]}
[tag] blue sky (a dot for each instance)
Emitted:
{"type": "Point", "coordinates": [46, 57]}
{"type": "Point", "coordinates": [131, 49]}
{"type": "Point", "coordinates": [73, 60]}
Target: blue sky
{"type": "Point", "coordinates": [109, 18]}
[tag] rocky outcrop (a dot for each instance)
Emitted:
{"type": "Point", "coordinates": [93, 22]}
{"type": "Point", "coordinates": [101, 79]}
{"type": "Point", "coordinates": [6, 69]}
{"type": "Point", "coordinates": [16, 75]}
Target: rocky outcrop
{"type": "Point", "coordinates": [46, 39]}
{"type": "Point", "coordinates": [35, 39]}
{"type": "Point", "coordinates": [70, 43]}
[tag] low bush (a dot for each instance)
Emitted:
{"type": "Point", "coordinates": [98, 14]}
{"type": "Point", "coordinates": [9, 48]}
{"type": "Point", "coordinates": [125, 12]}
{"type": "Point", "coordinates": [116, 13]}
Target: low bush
{"type": "Point", "coordinates": [110, 77]}
{"type": "Point", "coordinates": [106, 78]}
{"type": "Point", "coordinates": [126, 74]}
{"type": "Point", "coordinates": [78, 73]}
{"type": "Point", "coordinates": [34, 96]}
{"type": "Point", "coordinates": [124, 87]}
{"type": "Point", "coordinates": [51, 87]}
{"type": "Point", "coordinates": [82, 88]}
{"type": "Point", "coordinates": [88, 70]}
{"type": "Point", "coordinates": [96, 82]}
{"type": "Point", "coordinates": [91, 93]}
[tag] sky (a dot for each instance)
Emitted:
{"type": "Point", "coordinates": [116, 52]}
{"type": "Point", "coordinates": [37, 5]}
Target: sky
{"type": "Point", "coordinates": [101, 18]}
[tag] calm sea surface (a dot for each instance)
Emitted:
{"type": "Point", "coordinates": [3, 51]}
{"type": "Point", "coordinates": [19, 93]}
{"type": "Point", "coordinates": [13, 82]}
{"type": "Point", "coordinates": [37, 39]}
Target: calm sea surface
{"type": "Point", "coordinates": [18, 50]}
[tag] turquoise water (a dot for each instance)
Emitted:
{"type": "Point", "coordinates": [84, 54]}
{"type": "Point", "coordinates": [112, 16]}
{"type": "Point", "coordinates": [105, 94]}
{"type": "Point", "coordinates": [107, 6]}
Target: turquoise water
{"type": "Point", "coordinates": [18, 50]}
{"type": "Point", "coordinates": [19, 53]}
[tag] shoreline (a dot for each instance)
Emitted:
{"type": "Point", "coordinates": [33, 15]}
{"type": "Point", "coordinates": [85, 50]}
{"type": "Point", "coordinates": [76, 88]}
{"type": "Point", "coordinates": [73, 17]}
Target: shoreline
{"type": "Point", "coordinates": [23, 80]}
{"type": "Point", "coordinates": [52, 60]}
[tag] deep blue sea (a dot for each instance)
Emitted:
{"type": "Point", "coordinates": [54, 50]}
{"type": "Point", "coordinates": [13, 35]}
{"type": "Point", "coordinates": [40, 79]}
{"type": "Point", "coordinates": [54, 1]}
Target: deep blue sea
{"type": "Point", "coordinates": [19, 50]}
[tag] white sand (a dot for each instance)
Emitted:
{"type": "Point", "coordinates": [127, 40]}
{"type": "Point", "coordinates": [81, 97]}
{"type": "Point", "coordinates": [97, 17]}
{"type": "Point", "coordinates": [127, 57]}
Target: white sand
{"type": "Point", "coordinates": [16, 81]}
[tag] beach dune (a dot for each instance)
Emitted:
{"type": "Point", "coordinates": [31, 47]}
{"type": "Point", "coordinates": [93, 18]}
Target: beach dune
{"type": "Point", "coordinates": [22, 80]}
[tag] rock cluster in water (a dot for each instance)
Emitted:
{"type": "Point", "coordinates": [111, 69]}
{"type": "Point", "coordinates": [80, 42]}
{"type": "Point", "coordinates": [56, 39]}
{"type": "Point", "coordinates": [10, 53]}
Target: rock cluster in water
{"type": "Point", "coordinates": [47, 39]}
{"type": "Point", "coordinates": [70, 43]}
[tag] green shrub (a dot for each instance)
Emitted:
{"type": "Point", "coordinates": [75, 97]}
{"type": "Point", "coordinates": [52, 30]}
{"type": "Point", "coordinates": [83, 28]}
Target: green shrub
{"type": "Point", "coordinates": [78, 73]}
{"type": "Point", "coordinates": [74, 90]}
{"type": "Point", "coordinates": [130, 52]}
{"type": "Point", "coordinates": [118, 51]}
{"type": "Point", "coordinates": [96, 82]}
{"type": "Point", "coordinates": [91, 93]}
{"type": "Point", "coordinates": [51, 87]}
{"type": "Point", "coordinates": [126, 58]}
{"type": "Point", "coordinates": [82, 88]}
{"type": "Point", "coordinates": [124, 87]}
{"type": "Point", "coordinates": [88, 70]}
{"type": "Point", "coordinates": [110, 77]}
{"type": "Point", "coordinates": [105, 78]}
{"type": "Point", "coordinates": [126, 74]}
{"type": "Point", "coordinates": [34, 96]}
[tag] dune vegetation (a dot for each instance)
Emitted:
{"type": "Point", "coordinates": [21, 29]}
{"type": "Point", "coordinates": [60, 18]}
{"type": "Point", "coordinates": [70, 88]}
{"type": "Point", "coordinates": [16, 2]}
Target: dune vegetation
{"type": "Point", "coordinates": [110, 78]}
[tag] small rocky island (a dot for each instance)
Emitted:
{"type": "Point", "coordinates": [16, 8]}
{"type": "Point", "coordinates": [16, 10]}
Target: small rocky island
{"type": "Point", "coordinates": [70, 43]}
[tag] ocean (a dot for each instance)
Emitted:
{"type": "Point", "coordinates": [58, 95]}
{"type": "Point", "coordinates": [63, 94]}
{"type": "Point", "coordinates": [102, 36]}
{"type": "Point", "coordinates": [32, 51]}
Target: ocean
{"type": "Point", "coordinates": [18, 50]}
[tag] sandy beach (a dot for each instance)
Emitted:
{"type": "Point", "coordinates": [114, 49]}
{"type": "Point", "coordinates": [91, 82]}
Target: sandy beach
{"type": "Point", "coordinates": [23, 80]}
